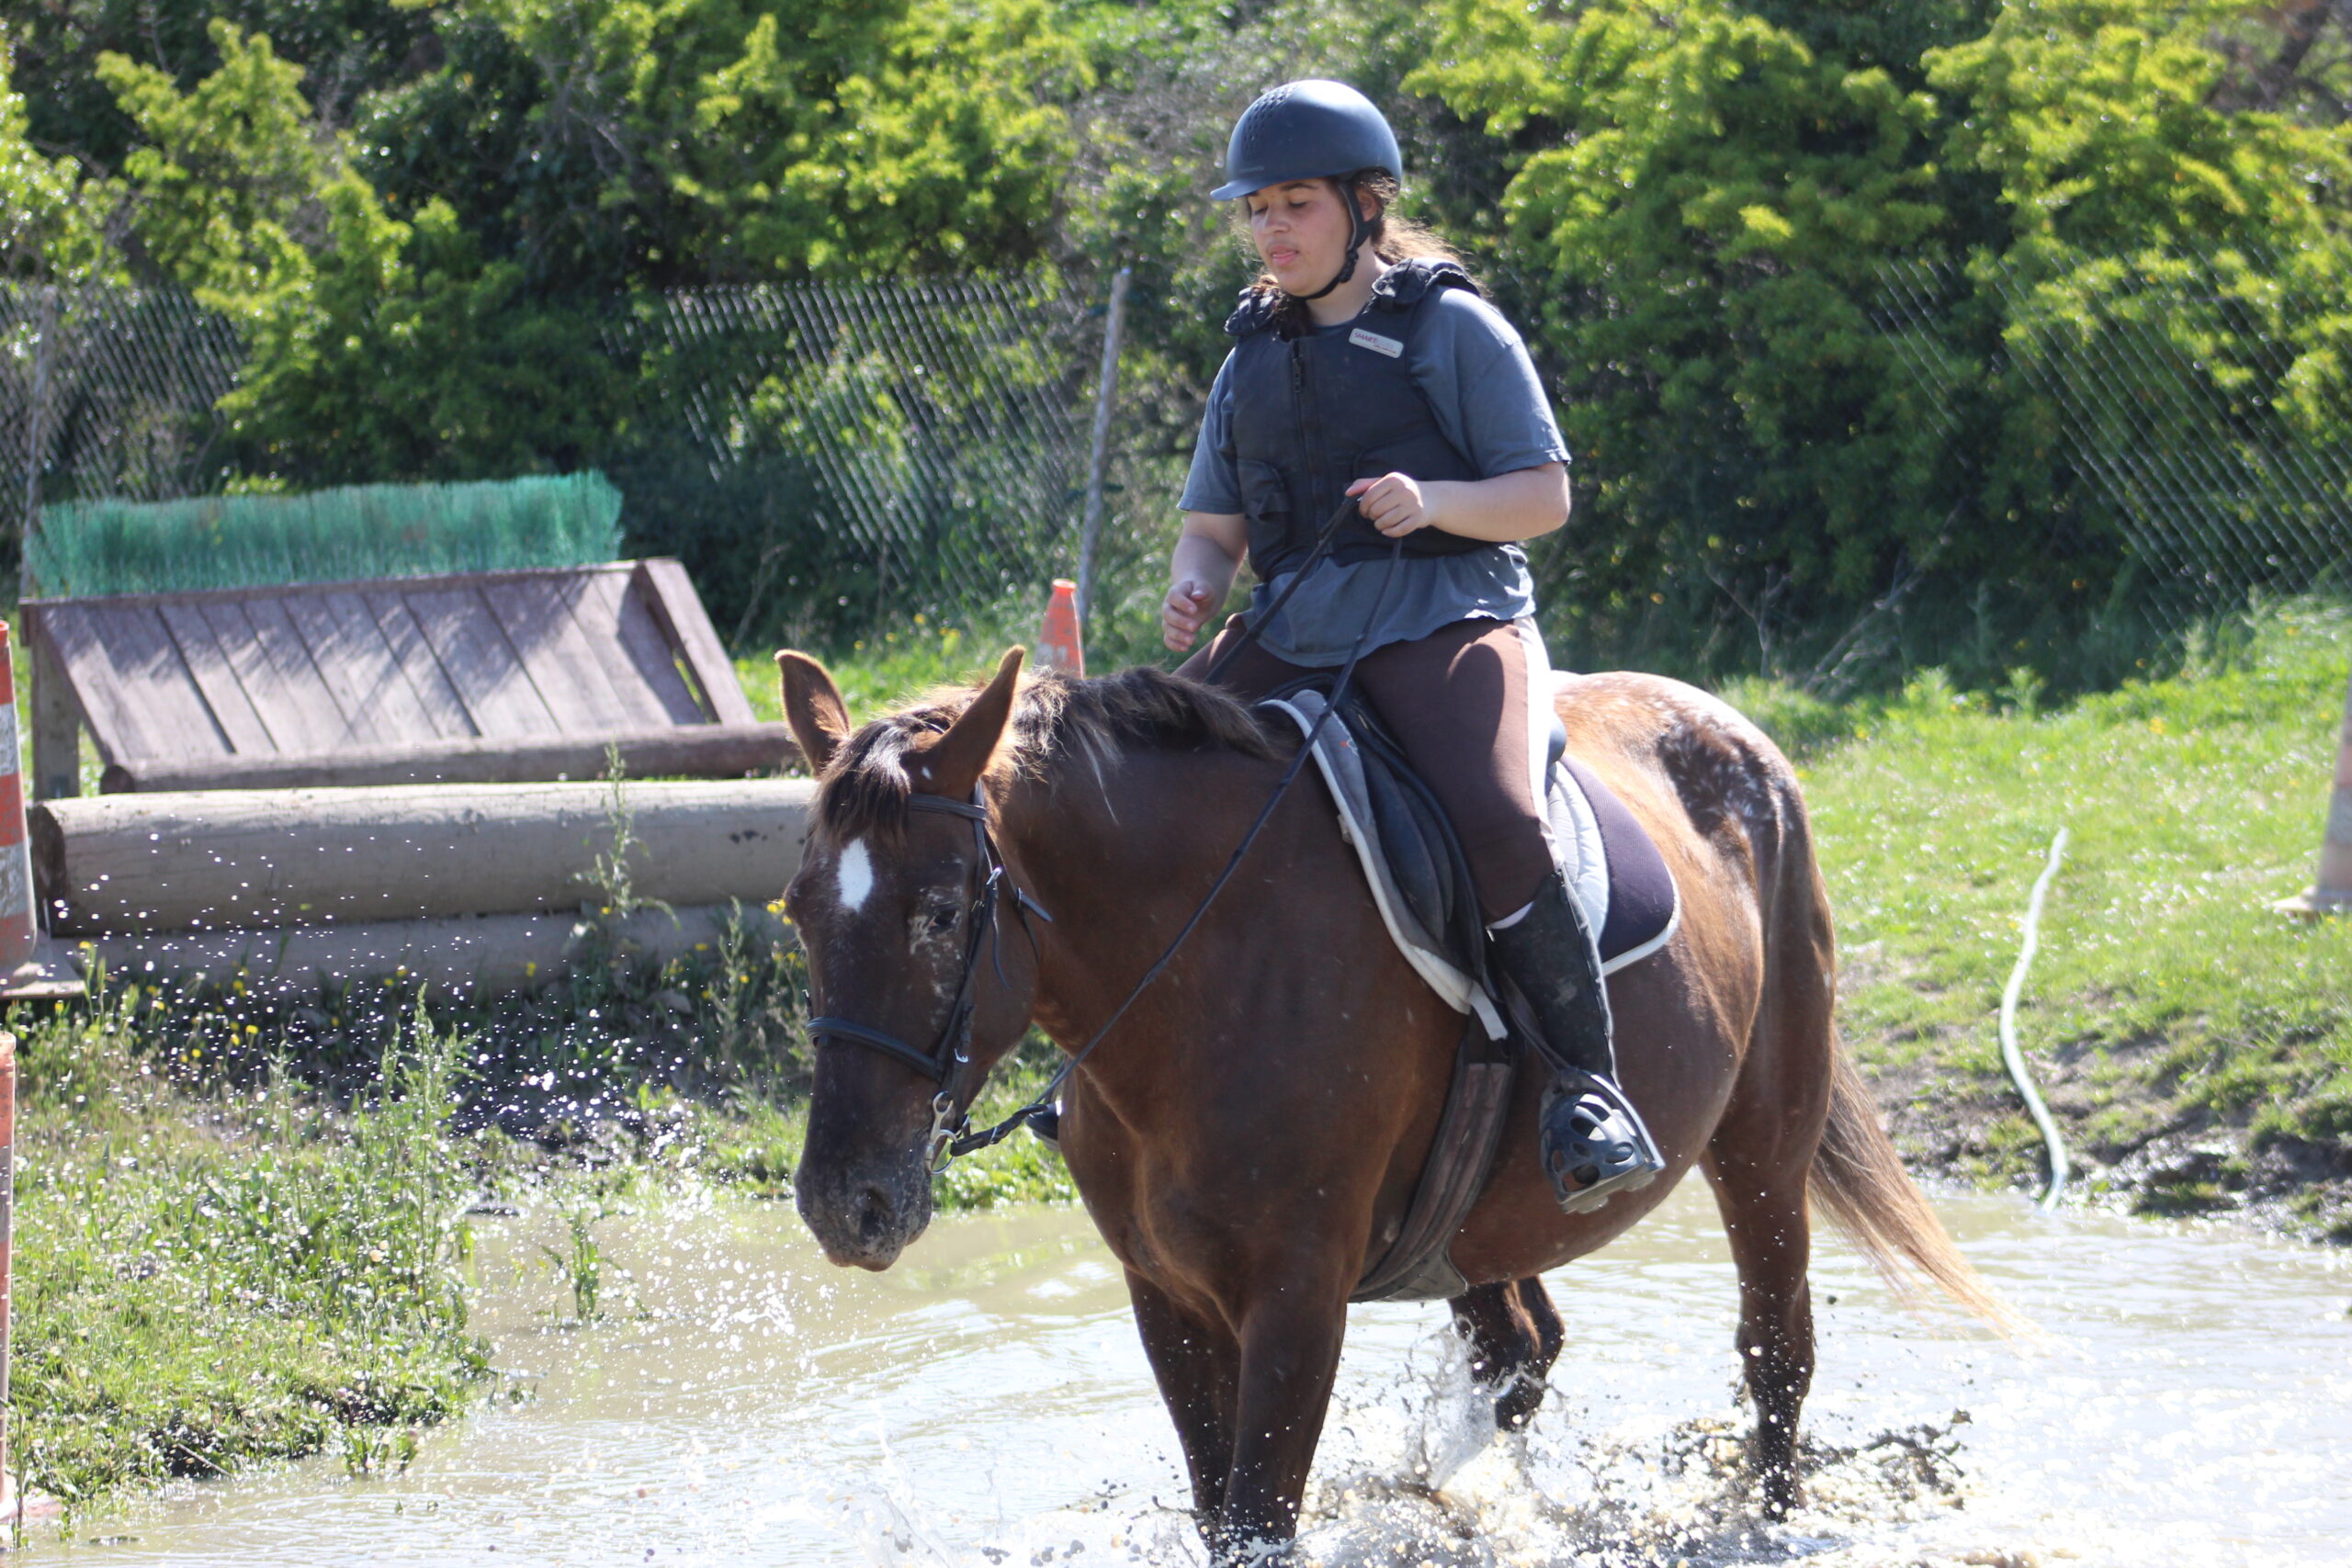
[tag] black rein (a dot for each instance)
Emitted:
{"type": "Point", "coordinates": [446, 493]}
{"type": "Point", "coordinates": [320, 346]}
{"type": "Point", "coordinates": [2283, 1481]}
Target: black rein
{"type": "Point", "coordinates": [949, 1057]}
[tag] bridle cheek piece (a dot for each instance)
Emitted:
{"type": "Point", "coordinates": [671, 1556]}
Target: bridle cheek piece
{"type": "Point", "coordinates": [949, 1059]}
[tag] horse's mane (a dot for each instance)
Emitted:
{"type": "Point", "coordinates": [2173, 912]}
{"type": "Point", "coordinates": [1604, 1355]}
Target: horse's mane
{"type": "Point", "coordinates": [1055, 717]}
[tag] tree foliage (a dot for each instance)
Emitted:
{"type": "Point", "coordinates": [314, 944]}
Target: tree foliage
{"type": "Point", "coordinates": [50, 224]}
{"type": "Point", "coordinates": [428, 214]}
{"type": "Point", "coordinates": [1713, 195]}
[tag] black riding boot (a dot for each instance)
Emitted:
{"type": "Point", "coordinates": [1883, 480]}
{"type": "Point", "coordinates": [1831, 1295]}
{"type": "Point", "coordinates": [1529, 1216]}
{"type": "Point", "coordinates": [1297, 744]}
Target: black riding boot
{"type": "Point", "coordinates": [1594, 1144]}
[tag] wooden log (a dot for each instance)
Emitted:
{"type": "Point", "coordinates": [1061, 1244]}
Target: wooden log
{"type": "Point", "coordinates": [708, 751]}
{"type": "Point", "coordinates": [228, 860]}
{"type": "Point", "coordinates": [462, 956]}
{"type": "Point", "coordinates": [57, 725]}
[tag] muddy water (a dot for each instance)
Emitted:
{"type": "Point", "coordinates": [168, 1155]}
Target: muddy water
{"type": "Point", "coordinates": [986, 1403]}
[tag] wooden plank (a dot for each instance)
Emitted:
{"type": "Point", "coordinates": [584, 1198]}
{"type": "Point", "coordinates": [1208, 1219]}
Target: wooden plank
{"type": "Point", "coordinates": [348, 649]}
{"type": "Point", "coordinates": [670, 596]}
{"type": "Point", "coordinates": [81, 659]}
{"type": "Point", "coordinates": [697, 750]}
{"type": "Point", "coordinates": [419, 668]}
{"type": "Point", "coordinates": [57, 720]}
{"type": "Point", "coordinates": [595, 605]}
{"type": "Point", "coordinates": [155, 682]}
{"type": "Point", "coordinates": [300, 718]}
{"type": "Point", "coordinates": [299, 669]}
{"type": "Point", "coordinates": [537, 618]}
{"type": "Point", "coordinates": [480, 662]}
{"type": "Point", "coordinates": [636, 639]}
{"type": "Point", "coordinates": [209, 664]}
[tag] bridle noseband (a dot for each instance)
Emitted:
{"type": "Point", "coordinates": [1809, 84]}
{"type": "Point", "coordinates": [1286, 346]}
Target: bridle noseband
{"type": "Point", "coordinates": [949, 1057]}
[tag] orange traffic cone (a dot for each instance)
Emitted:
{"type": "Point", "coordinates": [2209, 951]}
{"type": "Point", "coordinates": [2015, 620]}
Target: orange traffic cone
{"type": "Point", "coordinates": [1058, 647]}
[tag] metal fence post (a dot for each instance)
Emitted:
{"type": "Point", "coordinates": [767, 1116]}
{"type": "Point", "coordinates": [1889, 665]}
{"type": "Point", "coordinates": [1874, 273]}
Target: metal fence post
{"type": "Point", "coordinates": [1091, 533]}
{"type": "Point", "coordinates": [44, 352]}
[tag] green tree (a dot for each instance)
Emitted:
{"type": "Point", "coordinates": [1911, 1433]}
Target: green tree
{"type": "Point", "coordinates": [1704, 210]}
{"type": "Point", "coordinates": [51, 216]}
{"type": "Point", "coordinates": [398, 331]}
{"type": "Point", "coordinates": [1710, 205]}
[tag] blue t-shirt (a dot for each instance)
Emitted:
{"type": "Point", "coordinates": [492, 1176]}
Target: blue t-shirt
{"type": "Point", "coordinates": [1482, 389]}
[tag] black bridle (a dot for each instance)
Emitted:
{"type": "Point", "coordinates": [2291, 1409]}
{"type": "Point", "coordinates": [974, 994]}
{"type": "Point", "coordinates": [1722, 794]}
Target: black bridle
{"type": "Point", "coordinates": [949, 1058]}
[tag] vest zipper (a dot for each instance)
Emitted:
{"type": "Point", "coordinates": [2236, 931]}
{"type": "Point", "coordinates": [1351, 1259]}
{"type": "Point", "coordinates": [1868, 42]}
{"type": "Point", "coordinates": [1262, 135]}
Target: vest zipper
{"type": "Point", "coordinates": [1304, 524]}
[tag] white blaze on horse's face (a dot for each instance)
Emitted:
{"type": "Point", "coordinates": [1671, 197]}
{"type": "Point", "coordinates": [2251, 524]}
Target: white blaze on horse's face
{"type": "Point", "coordinates": [853, 877]}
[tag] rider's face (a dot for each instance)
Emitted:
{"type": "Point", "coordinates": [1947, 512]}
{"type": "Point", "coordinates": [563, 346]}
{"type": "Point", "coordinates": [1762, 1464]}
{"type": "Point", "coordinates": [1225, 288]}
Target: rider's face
{"type": "Point", "coordinates": [1301, 233]}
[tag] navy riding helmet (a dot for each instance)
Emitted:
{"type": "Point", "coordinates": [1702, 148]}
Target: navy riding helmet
{"type": "Point", "coordinates": [1305, 131]}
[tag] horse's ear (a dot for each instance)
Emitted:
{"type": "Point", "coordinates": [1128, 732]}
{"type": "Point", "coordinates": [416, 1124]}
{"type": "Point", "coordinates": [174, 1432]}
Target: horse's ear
{"type": "Point", "coordinates": [952, 765]}
{"type": "Point", "coordinates": [813, 707]}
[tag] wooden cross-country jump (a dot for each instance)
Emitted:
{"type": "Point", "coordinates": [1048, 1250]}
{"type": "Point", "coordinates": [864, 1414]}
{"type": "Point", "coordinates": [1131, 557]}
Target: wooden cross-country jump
{"type": "Point", "coordinates": [491, 677]}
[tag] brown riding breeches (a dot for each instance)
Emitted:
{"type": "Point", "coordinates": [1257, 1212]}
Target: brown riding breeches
{"type": "Point", "coordinates": [1471, 705]}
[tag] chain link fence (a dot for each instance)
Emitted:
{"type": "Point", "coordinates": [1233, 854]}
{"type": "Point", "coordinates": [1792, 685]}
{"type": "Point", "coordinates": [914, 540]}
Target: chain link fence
{"type": "Point", "coordinates": [2172, 391]}
{"type": "Point", "coordinates": [110, 392]}
{"type": "Point", "coordinates": [830, 458]}
{"type": "Point", "coordinates": [821, 456]}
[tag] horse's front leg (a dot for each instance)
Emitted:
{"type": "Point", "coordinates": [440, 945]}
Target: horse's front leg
{"type": "Point", "coordinates": [1289, 1338]}
{"type": "Point", "coordinates": [1197, 1363]}
{"type": "Point", "coordinates": [1515, 1334]}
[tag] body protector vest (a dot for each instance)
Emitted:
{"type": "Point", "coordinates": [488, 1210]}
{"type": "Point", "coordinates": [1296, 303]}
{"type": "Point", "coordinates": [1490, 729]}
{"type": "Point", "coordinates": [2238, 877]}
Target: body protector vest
{"type": "Point", "coordinates": [1313, 414]}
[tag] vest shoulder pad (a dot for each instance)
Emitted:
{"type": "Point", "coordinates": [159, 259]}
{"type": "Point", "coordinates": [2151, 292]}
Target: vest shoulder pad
{"type": "Point", "coordinates": [1255, 313]}
{"type": "Point", "coordinates": [1404, 286]}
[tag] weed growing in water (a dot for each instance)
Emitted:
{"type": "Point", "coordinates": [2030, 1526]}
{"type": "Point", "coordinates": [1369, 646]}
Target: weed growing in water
{"type": "Point", "coordinates": [579, 1261]}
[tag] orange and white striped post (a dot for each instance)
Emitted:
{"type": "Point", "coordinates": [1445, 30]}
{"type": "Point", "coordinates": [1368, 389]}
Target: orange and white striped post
{"type": "Point", "coordinates": [1058, 644]}
{"type": "Point", "coordinates": [2331, 894]}
{"type": "Point", "coordinates": [19, 933]}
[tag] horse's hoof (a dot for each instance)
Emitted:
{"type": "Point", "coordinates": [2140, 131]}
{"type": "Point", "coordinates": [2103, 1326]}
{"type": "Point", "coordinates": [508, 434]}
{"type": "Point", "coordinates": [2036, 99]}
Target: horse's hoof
{"type": "Point", "coordinates": [1517, 1401]}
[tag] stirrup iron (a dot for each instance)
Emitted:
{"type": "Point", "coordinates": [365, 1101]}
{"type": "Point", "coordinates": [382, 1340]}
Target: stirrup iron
{"type": "Point", "coordinates": [1594, 1144]}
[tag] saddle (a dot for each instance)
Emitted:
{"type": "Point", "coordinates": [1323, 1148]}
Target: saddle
{"type": "Point", "coordinates": [1420, 881]}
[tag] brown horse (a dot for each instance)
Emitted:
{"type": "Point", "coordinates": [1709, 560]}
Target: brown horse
{"type": "Point", "coordinates": [1254, 1126]}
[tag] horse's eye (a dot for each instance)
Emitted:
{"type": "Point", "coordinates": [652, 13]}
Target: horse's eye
{"type": "Point", "coordinates": [943, 918]}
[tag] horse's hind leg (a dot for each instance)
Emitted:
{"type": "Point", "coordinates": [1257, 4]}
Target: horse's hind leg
{"type": "Point", "coordinates": [1515, 1334]}
{"type": "Point", "coordinates": [1764, 1215]}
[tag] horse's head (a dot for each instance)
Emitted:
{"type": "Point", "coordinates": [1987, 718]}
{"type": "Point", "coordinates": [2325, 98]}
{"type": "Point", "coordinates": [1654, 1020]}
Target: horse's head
{"type": "Point", "coordinates": [900, 925]}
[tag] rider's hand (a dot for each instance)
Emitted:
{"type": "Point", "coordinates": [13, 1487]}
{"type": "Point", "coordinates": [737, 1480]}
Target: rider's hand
{"type": "Point", "coordinates": [1183, 613]}
{"type": "Point", "coordinates": [1394, 503]}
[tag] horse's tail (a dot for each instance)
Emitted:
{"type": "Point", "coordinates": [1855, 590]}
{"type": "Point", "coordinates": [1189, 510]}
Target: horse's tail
{"type": "Point", "coordinates": [1859, 1179]}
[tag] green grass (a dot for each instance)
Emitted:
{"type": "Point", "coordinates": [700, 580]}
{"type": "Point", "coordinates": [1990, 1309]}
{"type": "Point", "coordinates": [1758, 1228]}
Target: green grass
{"type": "Point", "coordinates": [206, 1279]}
{"type": "Point", "coordinates": [2167, 997]}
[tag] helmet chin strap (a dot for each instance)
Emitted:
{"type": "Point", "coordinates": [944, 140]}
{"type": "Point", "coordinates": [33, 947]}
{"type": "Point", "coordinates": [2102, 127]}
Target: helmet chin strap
{"type": "Point", "coordinates": [1358, 232]}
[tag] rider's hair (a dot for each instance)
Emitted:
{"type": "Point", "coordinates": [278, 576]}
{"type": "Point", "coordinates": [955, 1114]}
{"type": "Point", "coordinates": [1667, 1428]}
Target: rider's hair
{"type": "Point", "coordinates": [1390, 235]}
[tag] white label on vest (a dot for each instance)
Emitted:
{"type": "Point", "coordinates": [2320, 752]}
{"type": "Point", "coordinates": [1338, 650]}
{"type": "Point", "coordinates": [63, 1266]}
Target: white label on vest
{"type": "Point", "coordinates": [1374, 342]}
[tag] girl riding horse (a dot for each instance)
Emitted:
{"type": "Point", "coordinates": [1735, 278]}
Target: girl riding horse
{"type": "Point", "coordinates": [1366, 365]}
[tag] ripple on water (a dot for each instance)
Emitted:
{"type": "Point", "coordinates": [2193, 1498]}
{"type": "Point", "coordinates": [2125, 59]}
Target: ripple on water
{"type": "Point", "coordinates": [988, 1403]}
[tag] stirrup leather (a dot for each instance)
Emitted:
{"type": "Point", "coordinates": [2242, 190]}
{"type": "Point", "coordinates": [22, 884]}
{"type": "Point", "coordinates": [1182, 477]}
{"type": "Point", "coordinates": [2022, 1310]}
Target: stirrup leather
{"type": "Point", "coordinates": [1594, 1144]}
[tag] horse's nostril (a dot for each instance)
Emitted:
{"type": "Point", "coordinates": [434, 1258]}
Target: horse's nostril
{"type": "Point", "coordinates": [873, 1212]}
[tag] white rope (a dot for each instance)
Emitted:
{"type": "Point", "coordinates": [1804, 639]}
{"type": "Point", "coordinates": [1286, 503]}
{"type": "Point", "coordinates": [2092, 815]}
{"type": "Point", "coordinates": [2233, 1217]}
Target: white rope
{"type": "Point", "coordinates": [2059, 1168]}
